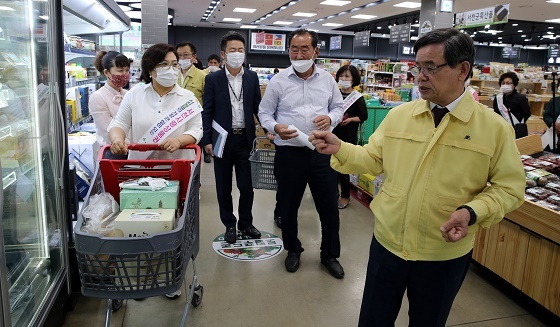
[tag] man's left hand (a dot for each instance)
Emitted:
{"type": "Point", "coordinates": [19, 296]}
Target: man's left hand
{"type": "Point", "coordinates": [322, 122]}
{"type": "Point", "coordinates": [457, 226]}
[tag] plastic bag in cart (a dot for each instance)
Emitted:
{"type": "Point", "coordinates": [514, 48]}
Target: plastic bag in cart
{"type": "Point", "coordinates": [99, 214]}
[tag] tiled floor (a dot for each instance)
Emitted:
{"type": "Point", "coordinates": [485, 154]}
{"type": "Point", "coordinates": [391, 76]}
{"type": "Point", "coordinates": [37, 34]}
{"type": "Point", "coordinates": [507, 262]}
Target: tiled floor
{"type": "Point", "coordinates": [264, 294]}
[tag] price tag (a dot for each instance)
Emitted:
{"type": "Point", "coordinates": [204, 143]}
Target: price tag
{"type": "Point", "coordinates": [544, 85]}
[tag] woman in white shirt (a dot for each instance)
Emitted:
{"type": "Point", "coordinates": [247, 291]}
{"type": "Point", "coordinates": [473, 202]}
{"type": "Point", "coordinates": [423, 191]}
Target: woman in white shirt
{"type": "Point", "coordinates": [104, 103]}
{"type": "Point", "coordinates": [159, 111]}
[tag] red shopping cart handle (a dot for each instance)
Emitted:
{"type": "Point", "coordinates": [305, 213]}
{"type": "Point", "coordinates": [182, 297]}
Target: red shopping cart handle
{"type": "Point", "coordinates": [151, 147]}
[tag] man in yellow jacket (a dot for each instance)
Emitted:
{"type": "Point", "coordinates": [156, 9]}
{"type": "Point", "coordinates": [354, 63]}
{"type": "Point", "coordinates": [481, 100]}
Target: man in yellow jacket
{"type": "Point", "coordinates": [451, 166]}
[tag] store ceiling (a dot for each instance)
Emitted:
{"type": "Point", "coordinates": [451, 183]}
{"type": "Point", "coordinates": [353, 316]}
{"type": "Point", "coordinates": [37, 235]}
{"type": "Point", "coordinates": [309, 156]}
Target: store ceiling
{"type": "Point", "coordinates": [529, 15]}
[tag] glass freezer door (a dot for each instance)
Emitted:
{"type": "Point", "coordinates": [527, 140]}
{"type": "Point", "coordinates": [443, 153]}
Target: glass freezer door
{"type": "Point", "coordinates": [32, 260]}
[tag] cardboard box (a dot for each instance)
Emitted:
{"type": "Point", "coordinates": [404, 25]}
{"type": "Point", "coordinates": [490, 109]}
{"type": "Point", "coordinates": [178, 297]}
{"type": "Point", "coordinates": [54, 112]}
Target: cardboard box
{"type": "Point", "coordinates": [73, 93]}
{"type": "Point", "coordinates": [166, 198]}
{"type": "Point", "coordinates": [377, 183]}
{"type": "Point", "coordinates": [83, 176]}
{"type": "Point", "coordinates": [85, 147]}
{"type": "Point", "coordinates": [365, 181]}
{"type": "Point", "coordinates": [354, 179]}
{"type": "Point", "coordinates": [144, 222]}
{"type": "Point", "coordinates": [265, 144]}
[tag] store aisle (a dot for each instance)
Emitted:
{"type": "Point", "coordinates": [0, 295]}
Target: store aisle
{"type": "Point", "coordinates": [262, 293]}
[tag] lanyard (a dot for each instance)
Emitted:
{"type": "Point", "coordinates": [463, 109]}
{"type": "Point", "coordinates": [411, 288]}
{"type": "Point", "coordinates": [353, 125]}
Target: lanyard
{"type": "Point", "coordinates": [238, 98]}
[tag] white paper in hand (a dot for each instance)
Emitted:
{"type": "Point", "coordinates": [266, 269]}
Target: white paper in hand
{"type": "Point", "coordinates": [302, 138]}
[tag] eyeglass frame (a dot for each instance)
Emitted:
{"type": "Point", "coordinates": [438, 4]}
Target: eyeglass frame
{"type": "Point", "coordinates": [164, 64]}
{"type": "Point", "coordinates": [185, 55]}
{"type": "Point", "coordinates": [427, 71]}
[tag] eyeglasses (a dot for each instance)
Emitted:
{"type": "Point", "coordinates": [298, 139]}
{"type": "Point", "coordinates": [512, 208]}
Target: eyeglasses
{"type": "Point", "coordinates": [427, 70]}
{"type": "Point", "coordinates": [185, 55]}
{"type": "Point", "coordinates": [166, 65]}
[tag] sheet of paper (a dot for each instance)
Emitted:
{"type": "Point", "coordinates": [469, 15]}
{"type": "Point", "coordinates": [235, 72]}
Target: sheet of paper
{"type": "Point", "coordinates": [302, 137]}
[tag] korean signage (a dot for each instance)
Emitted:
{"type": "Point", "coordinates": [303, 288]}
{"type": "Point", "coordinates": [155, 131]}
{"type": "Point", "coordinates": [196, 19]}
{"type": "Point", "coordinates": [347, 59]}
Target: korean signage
{"type": "Point", "coordinates": [399, 34]}
{"type": "Point", "coordinates": [335, 43]}
{"type": "Point", "coordinates": [510, 52]}
{"type": "Point", "coordinates": [481, 17]}
{"type": "Point", "coordinates": [361, 39]}
{"type": "Point", "coordinates": [268, 41]}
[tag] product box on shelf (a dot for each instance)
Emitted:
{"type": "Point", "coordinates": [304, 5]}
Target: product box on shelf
{"type": "Point", "coordinates": [166, 198]}
{"type": "Point", "coordinates": [83, 176]}
{"type": "Point", "coordinates": [73, 93]}
{"type": "Point", "coordinates": [365, 181]}
{"type": "Point", "coordinates": [354, 179]}
{"type": "Point", "coordinates": [85, 147]}
{"type": "Point", "coordinates": [144, 222]}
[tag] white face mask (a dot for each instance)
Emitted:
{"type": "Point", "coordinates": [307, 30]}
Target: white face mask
{"type": "Point", "coordinates": [301, 66]}
{"type": "Point", "coordinates": [213, 68]}
{"type": "Point", "coordinates": [235, 59]}
{"type": "Point", "coordinates": [345, 84]}
{"type": "Point", "coordinates": [506, 88]}
{"type": "Point", "coordinates": [185, 63]}
{"type": "Point", "coordinates": [166, 77]}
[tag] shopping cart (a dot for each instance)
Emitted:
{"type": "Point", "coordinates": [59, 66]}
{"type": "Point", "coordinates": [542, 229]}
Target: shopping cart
{"type": "Point", "coordinates": [118, 268]}
{"type": "Point", "coordinates": [262, 167]}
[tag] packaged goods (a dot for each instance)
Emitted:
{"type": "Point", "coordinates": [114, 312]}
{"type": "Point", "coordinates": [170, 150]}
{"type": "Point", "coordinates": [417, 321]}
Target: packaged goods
{"type": "Point", "coordinates": [144, 222]}
{"type": "Point", "coordinates": [541, 176]}
{"type": "Point", "coordinates": [530, 183]}
{"type": "Point", "coordinates": [530, 198]}
{"type": "Point", "coordinates": [164, 198]}
{"type": "Point", "coordinates": [551, 157]}
{"type": "Point", "coordinates": [553, 186]}
{"type": "Point", "coordinates": [554, 199]}
{"type": "Point", "coordinates": [542, 164]}
{"type": "Point", "coordinates": [539, 192]}
{"type": "Point", "coordinates": [528, 168]}
{"type": "Point", "coordinates": [548, 205]}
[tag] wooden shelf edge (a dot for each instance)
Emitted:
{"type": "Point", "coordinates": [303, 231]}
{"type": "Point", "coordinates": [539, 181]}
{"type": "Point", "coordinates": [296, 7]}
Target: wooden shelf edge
{"type": "Point", "coordinates": [540, 220]}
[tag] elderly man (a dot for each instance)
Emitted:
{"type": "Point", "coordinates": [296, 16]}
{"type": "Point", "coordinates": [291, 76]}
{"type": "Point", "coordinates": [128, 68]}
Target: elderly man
{"type": "Point", "coordinates": [451, 166]}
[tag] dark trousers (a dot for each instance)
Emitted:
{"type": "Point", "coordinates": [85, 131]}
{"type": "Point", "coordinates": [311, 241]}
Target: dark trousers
{"type": "Point", "coordinates": [344, 180]}
{"type": "Point", "coordinates": [294, 169]}
{"type": "Point", "coordinates": [236, 154]}
{"type": "Point", "coordinates": [431, 287]}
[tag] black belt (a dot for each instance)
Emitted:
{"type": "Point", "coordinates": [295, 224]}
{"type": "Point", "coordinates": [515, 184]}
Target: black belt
{"type": "Point", "coordinates": [238, 131]}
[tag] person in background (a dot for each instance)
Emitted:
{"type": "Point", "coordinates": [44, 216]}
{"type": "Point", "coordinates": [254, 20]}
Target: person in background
{"type": "Point", "coordinates": [276, 71]}
{"type": "Point", "coordinates": [347, 78]}
{"type": "Point", "coordinates": [550, 119]}
{"type": "Point", "coordinates": [105, 102]}
{"type": "Point", "coordinates": [191, 77]}
{"type": "Point", "coordinates": [231, 99]}
{"type": "Point", "coordinates": [471, 90]}
{"type": "Point", "coordinates": [511, 105]}
{"type": "Point", "coordinates": [451, 166]}
{"type": "Point", "coordinates": [306, 97]}
{"type": "Point", "coordinates": [213, 64]}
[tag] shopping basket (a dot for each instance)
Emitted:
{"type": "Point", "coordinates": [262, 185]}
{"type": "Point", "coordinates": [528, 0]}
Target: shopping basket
{"type": "Point", "coordinates": [117, 268]}
{"type": "Point", "coordinates": [262, 167]}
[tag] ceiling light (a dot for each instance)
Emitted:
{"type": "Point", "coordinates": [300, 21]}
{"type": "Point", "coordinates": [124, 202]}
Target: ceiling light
{"type": "Point", "coordinates": [169, 16]}
{"type": "Point", "coordinates": [519, 31]}
{"type": "Point", "coordinates": [556, 20]}
{"type": "Point", "coordinates": [249, 10]}
{"type": "Point", "coordinates": [313, 30]}
{"type": "Point", "coordinates": [500, 38]}
{"type": "Point", "coordinates": [378, 27]}
{"type": "Point", "coordinates": [335, 3]}
{"type": "Point", "coordinates": [235, 20]}
{"type": "Point", "coordinates": [304, 14]}
{"type": "Point", "coordinates": [363, 16]}
{"type": "Point", "coordinates": [514, 24]}
{"type": "Point", "coordinates": [550, 27]}
{"type": "Point", "coordinates": [136, 5]}
{"type": "Point", "coordinates": [553, 1]}
{"type": "Point", "coordinates": [125, 8]}
{"type": "Point", "coordinates": [333, 24]}
{"type": "Point", "coordinates": [523, 35]}
{"type": "Point", "coordinates": [282, 22]}
{"type": "Point", "coordinates": [248, 26]}
{"type": "Point", "coordinates": [408, 4]}
{"type": "Point", "coordinates": [134, 14]}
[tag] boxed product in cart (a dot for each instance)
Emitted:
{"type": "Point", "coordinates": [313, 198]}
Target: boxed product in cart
{"type": "Point", "coordinates": [144, 222]}
{"type": "Point", "coordinates": [165, 198]}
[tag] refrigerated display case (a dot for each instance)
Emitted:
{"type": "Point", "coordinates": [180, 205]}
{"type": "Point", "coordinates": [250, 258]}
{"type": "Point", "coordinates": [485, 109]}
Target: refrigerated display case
{"type": "Point", "coordinates": [33, 255]}
{"type": "Point", "coordinates": [34, 201]}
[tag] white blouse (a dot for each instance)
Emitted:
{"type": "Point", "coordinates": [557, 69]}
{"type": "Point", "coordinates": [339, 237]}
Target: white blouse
{"type": "Point", "coordinates": [142, 106]}
{"type": "Point", "coordinates": [103, 106]}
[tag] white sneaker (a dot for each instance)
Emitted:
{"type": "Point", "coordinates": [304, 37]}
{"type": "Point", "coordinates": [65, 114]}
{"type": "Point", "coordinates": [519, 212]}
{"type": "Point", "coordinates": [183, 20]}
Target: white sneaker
{"type": "Point", "coordinates": [173, 295]}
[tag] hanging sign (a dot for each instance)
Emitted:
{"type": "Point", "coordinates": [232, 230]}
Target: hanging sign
{"type": "Point", "coordinates": [486, 16]}
{"type": "Point", "coordinates": [268, 41]}
{"type": "Point", "coordinates": [400, 34]}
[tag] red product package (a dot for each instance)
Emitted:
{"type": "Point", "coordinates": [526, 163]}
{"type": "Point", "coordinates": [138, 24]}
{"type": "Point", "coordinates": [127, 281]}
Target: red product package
{"type": "Point", "coordinates": [539, 192]}
{"type": "Point", "coordinates": [548, 205]}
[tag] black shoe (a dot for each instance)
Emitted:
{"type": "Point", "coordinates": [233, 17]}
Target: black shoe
{"type": "Point", "coordinates": [334, 267]}
{"type": "Point", "coordinates": [231, 235]}
{"type": "Point", "coordinates": [250, 231]}
{"type": "Point", "coordinates": [207, 157]}
{"type": "Point", "coordinates": [292, 261]}
{"type": "Point", "coordinates": [278, 221]}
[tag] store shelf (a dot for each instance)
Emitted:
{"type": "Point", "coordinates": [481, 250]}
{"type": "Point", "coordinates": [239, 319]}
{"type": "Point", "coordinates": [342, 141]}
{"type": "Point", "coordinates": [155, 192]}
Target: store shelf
{"type": "Point", "coordinates": [5, 132]}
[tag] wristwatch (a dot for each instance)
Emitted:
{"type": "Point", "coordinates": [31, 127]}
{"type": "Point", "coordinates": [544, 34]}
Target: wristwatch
{"type": "Point", "coordinates": [472, 221]}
